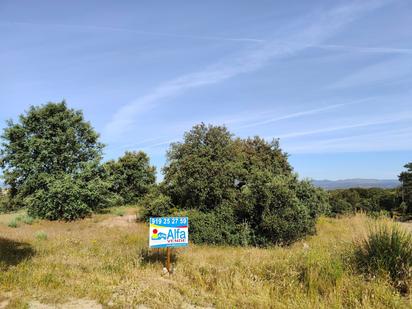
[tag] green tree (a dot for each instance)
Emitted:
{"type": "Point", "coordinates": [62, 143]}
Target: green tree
{"type": "Point", "coordinates": [258, 154]}
{"type": "Point", "coordinates": [244, 190]}
{"type": "Point", "coordinates": [200, 172]}
{"type": "Point", "coordinates": [406, 179]}
{"type": "Point", "coordinates": [51, 161]}
{"type": "Point", "coordinates": [131, 176]}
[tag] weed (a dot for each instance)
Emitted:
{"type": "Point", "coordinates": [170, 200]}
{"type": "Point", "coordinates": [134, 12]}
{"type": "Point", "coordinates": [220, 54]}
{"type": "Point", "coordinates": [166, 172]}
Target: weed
{"type": "Point", "coordinates": [13, 223]}
{"type": "Point", "coordinates": [119, 212]}
{"type": "Point", "coordinates": [387, 249]}
{"type": "Point", "coordinates": [28, 220]}
{"type": "Point", "coordinates": [40, 235]}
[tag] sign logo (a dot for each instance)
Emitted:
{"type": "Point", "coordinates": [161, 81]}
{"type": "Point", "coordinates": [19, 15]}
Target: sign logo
{"type": "Point", "coordinates": [168, 232]}
{"type": "Point", "coordinates": [158, 236]}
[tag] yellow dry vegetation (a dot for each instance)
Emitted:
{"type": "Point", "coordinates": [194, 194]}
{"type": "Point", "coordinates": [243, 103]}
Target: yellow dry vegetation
{"type": "Point", "coordinates": [110, 264]}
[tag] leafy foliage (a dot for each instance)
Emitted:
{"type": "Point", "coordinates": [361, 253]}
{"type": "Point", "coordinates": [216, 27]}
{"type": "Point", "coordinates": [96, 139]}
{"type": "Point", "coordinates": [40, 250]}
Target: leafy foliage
{"type": "Point", "coordinates": [274, 210]}
{"type": "Point", "coordinates": [339, 206]}
{"type": "Point", "coordinates": [406, 179]}
{"type": "Point", "coordinates": [387, 249]}
{"type": "Point", "coordinates": [239, 191]}
{"type": "Point", "coordinates": [373, 200]}
{"type": "Point", "coordinates": [131, 176]}
{"type": "Point", "coordinates": [51, 163]}
{"type": "Point", "coordinates": [64, 197]}
{"type": "Point", "coordinates": [156, 204]}
{"type": "Point", "coordinates": [218, 227]}
{"type": "Point", "coordinates": [4, 201]}
{"type": "Point", "coordinates": [200, 171]}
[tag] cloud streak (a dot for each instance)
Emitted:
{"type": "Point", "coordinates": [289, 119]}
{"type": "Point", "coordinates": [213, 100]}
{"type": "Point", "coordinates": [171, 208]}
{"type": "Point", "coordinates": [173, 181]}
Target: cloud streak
{"type": "Point", "coordinates": [364, 49]}
{"type": "Point", "coordinates": [309, 112]}
{"type": "Point", "coordinates": [134, 31]}
{"type": "Point", "coordinates": [377, 141]}
{"type": "Point", "coordinates": [388, 120]}
{"type": "Point", "coordinates": [339, 47]}
{"type": "Point", "coordinates": [389, 70]}
{"type": "Point", "coordinates": [251, 119]}
{"type": "Point", "coordinates": [310, 32]}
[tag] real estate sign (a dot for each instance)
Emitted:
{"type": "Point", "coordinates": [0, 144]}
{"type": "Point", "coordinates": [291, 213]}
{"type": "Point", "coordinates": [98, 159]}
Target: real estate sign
{"type": "Point", "coordinates": [168, 232]}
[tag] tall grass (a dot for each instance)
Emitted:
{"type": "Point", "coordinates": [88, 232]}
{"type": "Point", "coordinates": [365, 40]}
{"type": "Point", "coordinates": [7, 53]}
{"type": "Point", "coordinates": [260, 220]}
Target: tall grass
{"type": "Point", "coordinates": [112, 265]}
{"type": "Point", "coordinates": [387, 250]}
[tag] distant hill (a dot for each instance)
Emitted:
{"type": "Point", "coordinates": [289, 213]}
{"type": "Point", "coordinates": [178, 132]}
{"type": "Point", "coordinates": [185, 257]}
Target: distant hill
{"type": "Point", "coordinates": [356, 183]}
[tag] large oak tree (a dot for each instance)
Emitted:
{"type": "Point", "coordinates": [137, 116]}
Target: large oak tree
{"type": "Point", "coordinates": [50, 159]}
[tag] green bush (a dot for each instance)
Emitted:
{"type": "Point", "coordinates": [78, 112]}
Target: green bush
{"type": "Point", "coordinates": [156, 204]}
{"type": "Point", "coordinates": [387, 250]}
{"type": "Point", "coordinates": [239, 191]}
{"type": "Point", "coordinates": [275, 212]}
{"type": "Point", "coordinates": [339, 207]}
{"type": "Point", "coordinates": [131, 176]}
{"type": "Point", "coordinates": [316, 199]}
{"type": "Point", "coordinates": [4, 202]}
{"type": "Point", "coordinates": [269, 212]}
{"type": "Point", "coordinates": [406, 179]}
{"type": "Point", "coordinates": [218, 227]}
{"type": "Point", "coordinates": [372, 200]}
{"type": "Point", "coordinates": [66, 198]}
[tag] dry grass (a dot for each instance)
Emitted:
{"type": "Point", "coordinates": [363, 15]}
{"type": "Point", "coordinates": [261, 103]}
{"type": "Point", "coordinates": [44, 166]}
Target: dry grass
{"type": "Point", "coordinates": [111, 265]}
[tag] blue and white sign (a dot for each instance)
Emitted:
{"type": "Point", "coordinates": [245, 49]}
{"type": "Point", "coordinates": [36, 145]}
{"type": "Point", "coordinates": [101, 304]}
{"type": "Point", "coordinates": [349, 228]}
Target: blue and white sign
{"type": "Point", "coordinates": [169, 232]}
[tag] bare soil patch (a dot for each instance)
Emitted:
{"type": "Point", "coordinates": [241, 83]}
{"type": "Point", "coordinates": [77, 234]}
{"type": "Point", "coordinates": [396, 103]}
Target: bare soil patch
{"type": "Point", "coordinates": [74, 304]}
{"type": "Point", "coordinates": [119, 221]}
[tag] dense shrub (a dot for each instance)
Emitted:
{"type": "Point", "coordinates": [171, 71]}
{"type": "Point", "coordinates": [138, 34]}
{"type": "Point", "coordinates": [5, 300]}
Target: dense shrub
{"type": "Point", "coordinates": [406, 179]}
{"type": "Point", "coordinates": [218, 227]}
{"type": "Point", "coordinates": [339, 206]}
{"type": "Point", "coordinates": [373, 200]}
{"type": "Point", "coordinates": [387, 250]}
{"type": "Point", "coordinates": [4, 201]}
{"type": "Point", "coordinates": [316, 199]}
{"type": "Point", "coordinates": [131, 176]}
{"type": "Point", "coordinates": [239, 191]}
{"type": "Point", "coordinates": [67, 197]}
{"type": "Point", "coordinates": [276, 213]}
{"type": "Point", "coordinates": [156, 204]}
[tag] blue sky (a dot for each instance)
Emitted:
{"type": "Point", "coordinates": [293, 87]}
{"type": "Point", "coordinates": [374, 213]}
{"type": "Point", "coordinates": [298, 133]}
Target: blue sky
{"type": "Point", "coordinates": [331, 79]}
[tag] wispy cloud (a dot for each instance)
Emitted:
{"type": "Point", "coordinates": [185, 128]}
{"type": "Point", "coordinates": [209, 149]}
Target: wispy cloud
{"type": "Point", "coordinates": [388, 70]}
{"type": "Point", "coordinates": [376, 141]}
{"type": "Point", "coordinates": [380, 121]}
{"type": "Point", "coordinates": [365, 49]}
{"type": "Point", "coordinates": [134, 31]}
{"type": "Point", "coordinates": [309, 112]}
{"type": "Point", "coordinates": [256, 118]}
{"type": "Point", "coordinates": [311, 31]}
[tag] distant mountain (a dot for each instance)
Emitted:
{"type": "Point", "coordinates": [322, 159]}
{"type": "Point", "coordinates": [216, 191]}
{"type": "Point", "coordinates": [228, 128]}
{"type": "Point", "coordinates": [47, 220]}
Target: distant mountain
{"type": "Point", "coordinates": [356, 183]}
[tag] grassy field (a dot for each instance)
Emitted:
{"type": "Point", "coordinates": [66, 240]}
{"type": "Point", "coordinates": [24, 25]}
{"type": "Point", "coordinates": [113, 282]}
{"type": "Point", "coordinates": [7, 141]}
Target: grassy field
{"type": "Point", "coordinates": [103, 262]}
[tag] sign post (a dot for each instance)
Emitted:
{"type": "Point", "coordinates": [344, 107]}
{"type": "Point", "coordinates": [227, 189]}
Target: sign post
{"type": "Point", "coordinates": [168, 232]}
{"type": "Point", "coordinates": [168, 259]}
